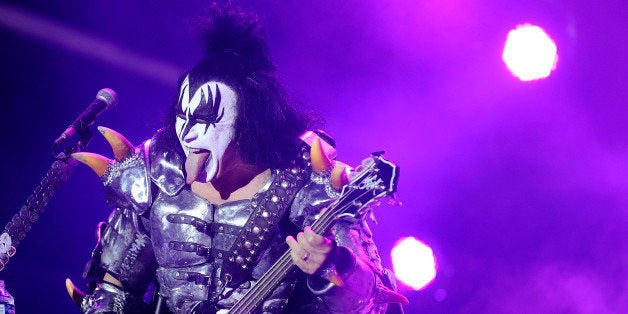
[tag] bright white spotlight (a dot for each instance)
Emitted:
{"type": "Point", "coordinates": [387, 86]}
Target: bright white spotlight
{"type": "Point", "coordinates": [414, 263]}
{"type": "Point", "coordinates": [529, 53]}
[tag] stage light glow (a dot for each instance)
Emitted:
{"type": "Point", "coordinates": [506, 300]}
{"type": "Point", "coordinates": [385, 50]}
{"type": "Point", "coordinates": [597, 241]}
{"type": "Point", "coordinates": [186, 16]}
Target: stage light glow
{"type": "Point", "coordinates": [530, 53]}
{"type": "Point", "coordinates": [414, 263]}
{"type": "Point", "coordinates": [77, 41]}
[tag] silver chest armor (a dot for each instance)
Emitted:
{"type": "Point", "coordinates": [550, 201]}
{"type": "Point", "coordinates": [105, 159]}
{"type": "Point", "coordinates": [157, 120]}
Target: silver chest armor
{"type": "Point", "coordinates": [190, 237]}
{"type": "Point", "coordinates": [208, 252]}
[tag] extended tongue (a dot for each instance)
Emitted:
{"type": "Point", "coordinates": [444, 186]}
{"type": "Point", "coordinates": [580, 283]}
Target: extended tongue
{"type": "Point", "coordinates": [194, 164]}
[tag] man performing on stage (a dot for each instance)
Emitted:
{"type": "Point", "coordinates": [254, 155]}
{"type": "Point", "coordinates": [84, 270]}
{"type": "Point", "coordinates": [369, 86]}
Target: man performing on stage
{"type": "Point", "coordinates": [204, 208]}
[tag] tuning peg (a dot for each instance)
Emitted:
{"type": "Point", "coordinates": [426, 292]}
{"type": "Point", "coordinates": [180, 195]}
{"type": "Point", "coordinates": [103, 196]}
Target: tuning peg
{"type": "Point", "coordinates": [393, 201]}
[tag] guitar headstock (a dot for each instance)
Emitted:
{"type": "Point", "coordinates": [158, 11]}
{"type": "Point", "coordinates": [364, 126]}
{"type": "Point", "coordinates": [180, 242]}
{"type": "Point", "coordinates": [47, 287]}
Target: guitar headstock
{"type": "Point", "coordinates": [377, 178]}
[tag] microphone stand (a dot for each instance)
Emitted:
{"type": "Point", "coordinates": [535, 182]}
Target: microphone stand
{"type": "Point", "coordinates": [20, 224]}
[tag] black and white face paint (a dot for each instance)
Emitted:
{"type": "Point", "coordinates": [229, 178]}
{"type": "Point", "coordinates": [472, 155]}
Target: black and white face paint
{"type": "Point", "coordinates": [205, 125]}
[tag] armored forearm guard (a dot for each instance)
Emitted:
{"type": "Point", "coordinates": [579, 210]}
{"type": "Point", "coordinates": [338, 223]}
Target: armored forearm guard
{"type": "Point", "coordinates": [358, 263]}
{"type": "Point", "coordinates": [127, 253]}
{"type": "Point", "coordinates": [108, 298]}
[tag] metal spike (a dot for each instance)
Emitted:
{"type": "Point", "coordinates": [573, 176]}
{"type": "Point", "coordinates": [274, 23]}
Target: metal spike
{"type": "Point", "coordinates": [336, 280]}
{"type": "Point", "coordinates": [339, 177]}
{"type": "Point", "coordinates": [122, 148]}
{"type": "Point", "coordinates": [390, 296]}
{"type": "Point", "coordinates": [97, 162]}
{"type": "Point", "coordinates": [320, 160]}
{"type": "Point", "coordinates": [76, 294]}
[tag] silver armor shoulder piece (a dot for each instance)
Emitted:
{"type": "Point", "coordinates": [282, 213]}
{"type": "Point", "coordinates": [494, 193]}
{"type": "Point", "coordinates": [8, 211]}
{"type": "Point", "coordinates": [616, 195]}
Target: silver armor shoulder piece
{"type": "Point", "coordinates": [127, 184]}
{"type": "Point", "coordinates": [166, 165]}
{"type": "Point", "coordinates": [317, 193]}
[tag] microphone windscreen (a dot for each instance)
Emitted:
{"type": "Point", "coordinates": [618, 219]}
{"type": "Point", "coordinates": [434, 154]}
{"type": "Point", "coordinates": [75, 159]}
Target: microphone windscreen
{"type": "Point", "coordinates": [108, 96]}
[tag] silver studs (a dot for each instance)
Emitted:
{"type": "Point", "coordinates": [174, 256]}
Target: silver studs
{"type": "Point", "coordinates": [239, 260]}
{"type": "Point", "coordinates": [284, 184]}
{"type": "Point", "coordinates": [265, 214]}
{"type": "Point", "coordinates": [275, 199]}
{"type": "Point", "coordinates": [256, 230]}
{"type": "Point", "coordinates": [248, 244]}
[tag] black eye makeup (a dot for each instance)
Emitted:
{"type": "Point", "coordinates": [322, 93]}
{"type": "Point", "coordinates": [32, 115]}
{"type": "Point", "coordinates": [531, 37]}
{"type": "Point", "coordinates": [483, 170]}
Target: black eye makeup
{"type": "Point", "coordinates": [209, 110]}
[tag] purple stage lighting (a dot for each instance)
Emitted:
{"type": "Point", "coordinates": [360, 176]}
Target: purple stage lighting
{"type": "Point", "coordinates": [530, 53]}
{"type": "Point", "coordinates": [414, 263]}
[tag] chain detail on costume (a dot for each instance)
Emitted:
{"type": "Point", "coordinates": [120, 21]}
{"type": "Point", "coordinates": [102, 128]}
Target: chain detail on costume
{"type": "Point", "coordinates": [115, 169]}
{"type": "Point", "coordinates": [323, 179]}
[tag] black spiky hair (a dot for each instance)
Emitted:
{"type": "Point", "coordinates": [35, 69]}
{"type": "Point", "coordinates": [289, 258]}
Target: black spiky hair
{"type": "Point", "coordinates": [236, 37]}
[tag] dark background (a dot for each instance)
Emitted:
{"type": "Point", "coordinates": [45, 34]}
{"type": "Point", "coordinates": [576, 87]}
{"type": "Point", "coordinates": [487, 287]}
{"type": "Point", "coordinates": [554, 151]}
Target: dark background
{"type": "Point", "coordinates": [519, 188]}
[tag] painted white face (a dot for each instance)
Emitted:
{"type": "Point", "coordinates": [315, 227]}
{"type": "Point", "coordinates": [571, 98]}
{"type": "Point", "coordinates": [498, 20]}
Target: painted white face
{"type": "Point", "coordinates": [205, 125]}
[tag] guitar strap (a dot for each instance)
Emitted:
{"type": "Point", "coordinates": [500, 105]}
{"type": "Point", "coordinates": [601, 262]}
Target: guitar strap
{"type": "Point", "coordinates": [269, 208]}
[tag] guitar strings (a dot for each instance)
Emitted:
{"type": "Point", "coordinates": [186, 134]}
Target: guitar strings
{"type": "Point", "coordinates": [283, 264]}
{"type": "Point", "coordinates": [255, 296]}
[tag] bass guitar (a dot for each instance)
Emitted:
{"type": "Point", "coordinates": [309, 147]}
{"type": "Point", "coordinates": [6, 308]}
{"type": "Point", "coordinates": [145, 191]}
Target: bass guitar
{"type": "Point", "coordinates": [376, 179]}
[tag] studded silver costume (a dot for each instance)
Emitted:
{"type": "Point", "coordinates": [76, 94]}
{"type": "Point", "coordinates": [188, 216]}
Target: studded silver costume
{"type": "Point", "coordinates": [206, 256]}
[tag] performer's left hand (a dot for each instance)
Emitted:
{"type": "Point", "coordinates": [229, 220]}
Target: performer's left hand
{"type": "Point", "coordinates": [310, 250]}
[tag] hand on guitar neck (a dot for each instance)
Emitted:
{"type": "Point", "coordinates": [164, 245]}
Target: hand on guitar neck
{"type": "Point", "coordinates": [309, 250]}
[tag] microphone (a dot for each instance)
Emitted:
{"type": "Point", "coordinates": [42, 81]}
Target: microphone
{"type": "Point", "coordinates": [105, 99]}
